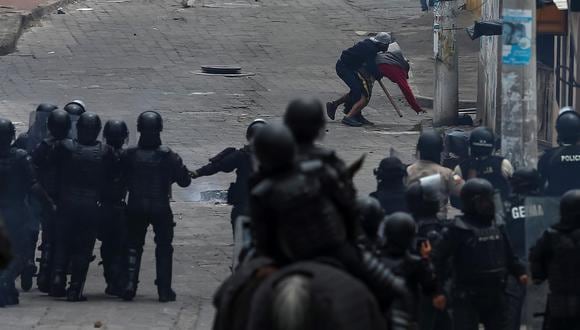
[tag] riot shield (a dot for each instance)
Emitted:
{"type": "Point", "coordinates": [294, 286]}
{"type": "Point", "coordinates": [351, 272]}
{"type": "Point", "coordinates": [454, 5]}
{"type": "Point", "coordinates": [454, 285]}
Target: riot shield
{"type": "Point", "coordinates": [37, 129]}
{"type": "Point", "coordinates": [540, 214]}
{"type": "Point", "coordinates": [432, 187]}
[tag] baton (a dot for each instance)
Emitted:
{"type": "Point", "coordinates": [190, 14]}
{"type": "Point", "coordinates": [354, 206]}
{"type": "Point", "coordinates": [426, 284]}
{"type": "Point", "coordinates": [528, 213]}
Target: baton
{"type": "Point", "coordinates": [390, 98]}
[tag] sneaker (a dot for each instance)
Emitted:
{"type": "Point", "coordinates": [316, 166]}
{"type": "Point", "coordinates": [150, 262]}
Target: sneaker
{"type": "Point", "coordinates": [349, 121]}
{"type": "Point", "coordinates": [363, 120]}
{"type": "Point", "coordinates": [331, 110]}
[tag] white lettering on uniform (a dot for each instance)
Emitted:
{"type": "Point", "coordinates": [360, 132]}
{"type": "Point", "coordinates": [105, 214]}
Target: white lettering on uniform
{"type": "Point", "coordinates": [570, 158]}
{"type": "Point", "coordinates": [489, 238]}
{"type": "Point", "coordinates": [518, 212]}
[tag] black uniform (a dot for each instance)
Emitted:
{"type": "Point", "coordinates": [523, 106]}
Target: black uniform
{"type": "Point", "coordinates": [149, 171]}
{"type": "Point", "coordinates": [303, 213]}
{"type": "Point", "coordinates": [17, 176]}
{"type": "Point", "coordinates": [391, 197]}
{"type": "Point", "coordinates": [488, 168]}
{"type": "Point", "coordinates": [418, 273]}
{"type": "Point", "coordinates": [559, 168]}
{"type": "Point", "coordinates": [112, 231]}
{"type": "Point", "coordinates": [47, 159]}
{"type": "Point", "coordinates": [87, 170]}
{"type": "Point", "coordinates": [227, 161]}
{"type": "Point", "coordinates": [482, 259]}
{"type": "Point", "coordinates": [554, 257]}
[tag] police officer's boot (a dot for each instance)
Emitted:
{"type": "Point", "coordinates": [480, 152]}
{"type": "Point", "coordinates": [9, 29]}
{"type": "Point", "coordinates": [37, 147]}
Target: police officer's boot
{"type": "Point", "coordinates": [44, 267]}
{"type": "Point", "coordinates": [80, 267]}
{"type": "Point", "coordinates": [164, 267]}
{"type": "Point", "coordinates": [133, 266]}
{"type": "Point", "coordinates": [8, 294]}
{"type": "Point", "coordinates": [58, 283]}
{"type": "Point", "coordinates": [27, 275]}
{"type": "Point", "coordinates": [29, 269]}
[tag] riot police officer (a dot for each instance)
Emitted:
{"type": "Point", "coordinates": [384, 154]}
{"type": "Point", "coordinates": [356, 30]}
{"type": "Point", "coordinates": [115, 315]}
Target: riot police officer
{"type": "Point", "coordinates": [525, 182]}
{"type": "Point", "coordinates": [46, 158]}
{"type": "Point", "coordinates": [18, 181]}
{"type": "Point", "coordinates": [371, 214]}
{"type": "Point", "coordinates": [87, 168]}
{"type": "Point", "coordinates": [483, 164]}
{"type": "Point", "coordinates": [150, 169]}
{"type": "Point", "coordinates": [559, 167]}
{"type": "Point", "coordinates": [391, 175]}
{"type": "Point", "coordinates": [423, 203]}
{"type": "Point", "coordinates": [239, 160]}
{"type": "Point", "coordinates": [37, 131]}
{"type": "Point", "coordinates": [482, 258]}
{"type": "Point", "coordinates": [396, 236]}
{"type": "Point", "coordinates": [75, 109]}
{"type": "Point", "coordinates": [554, 258]}
{"type": "Point", "coordinates": [297, 213]}
{"type": "Point", "coordinates": [112, 227]}
{"type": "Point", "coordinates": [305, 119]}
{"type": "Point", "coordinates": [429, 148]}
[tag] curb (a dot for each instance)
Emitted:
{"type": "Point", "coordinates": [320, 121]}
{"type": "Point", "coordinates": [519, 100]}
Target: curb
{"type": "Point", "coordinates": [13, 23]}
{"type": "Point", "coordinates": [427, 102]}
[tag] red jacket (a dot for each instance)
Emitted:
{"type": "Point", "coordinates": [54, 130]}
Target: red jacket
{"type": "Point", "coordinates": [399, 76]}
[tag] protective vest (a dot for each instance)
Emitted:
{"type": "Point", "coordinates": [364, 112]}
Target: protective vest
{"type": "Point", "coordinates": [16, 176]}
{"type": "Point", "coordinates": [306, 222]}
{"type": "Point", "coordinates": [561, 172]}
{"type": "Point", "coordinates": [149, 175]}
{"type": "Point", "coordinates": [488, 168]}
{"type": "Point", "coordinates": [85, 171]}
{"type": "Point", "coordinates": [481, 256]}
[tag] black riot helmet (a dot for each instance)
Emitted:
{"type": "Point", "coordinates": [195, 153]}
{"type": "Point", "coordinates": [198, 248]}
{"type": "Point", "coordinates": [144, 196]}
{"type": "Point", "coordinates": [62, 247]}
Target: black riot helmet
{"type": "Point", "coordinates": [390, 169]}
{"type": "Point", "coordinates": [397, 231]}
{"type": "Point", "coordinates": [525, 181]}
{"type": "Point", "coordinates": [421, 203]}
{"type": "Point", "coordinates": [568, 126]}
{"type": "Point", "coordinates": [254, 127]}
{"type": "Point", "coordinates": [46, 107]}
{"type": "Point", "coordinates": [59, 124]}
{"type": "Point", "coordinates": [481, 142]}
{"type": "Point", "coordinates": [149, 122]}
{"type": "Point", "coordinates": [274, 149]}
{"type": "Point", "coordinates": [570, 208]}
{"type": "Point", "coordinates": [76, 107]}
{"type": "Point", "coordinates": [477, 199]}
{"type": "Point", "coordinates": [456, 142]}
{"type": "Point", "coordinates": [371, 214]}
{"type": "Point", "coordinates": [115, 133]}
{"type": "Point", "coordinates": [430, 146]}
{"type": "Point", "coordinates": [7, 133]}
{"type": "Point", "coordinates": [88, 127]}
{"type": "Point", "coordinates": [305, 118]}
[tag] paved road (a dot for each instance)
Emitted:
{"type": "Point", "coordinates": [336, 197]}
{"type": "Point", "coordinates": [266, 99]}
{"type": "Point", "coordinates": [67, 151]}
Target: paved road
{"type": "Point", "coordinates": [126, 56]}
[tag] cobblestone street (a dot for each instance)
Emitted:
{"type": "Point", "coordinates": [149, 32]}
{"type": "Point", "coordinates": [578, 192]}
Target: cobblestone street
{"type": "Point", "coordinates": [123, 57]}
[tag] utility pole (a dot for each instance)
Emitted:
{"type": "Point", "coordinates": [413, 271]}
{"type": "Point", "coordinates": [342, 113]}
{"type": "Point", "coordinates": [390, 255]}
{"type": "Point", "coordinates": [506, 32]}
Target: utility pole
{"type": "Point", "coordinates": [519, 115]}
{"type": "Point", "coordinates": [489, 71]}
{"type": "Point", "coordinates": [446, 96]}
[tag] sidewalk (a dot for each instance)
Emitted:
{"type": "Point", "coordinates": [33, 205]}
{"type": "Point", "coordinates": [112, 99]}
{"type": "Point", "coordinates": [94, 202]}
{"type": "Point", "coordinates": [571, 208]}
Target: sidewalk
{"type": "Point", "coordinates": [17, 15]}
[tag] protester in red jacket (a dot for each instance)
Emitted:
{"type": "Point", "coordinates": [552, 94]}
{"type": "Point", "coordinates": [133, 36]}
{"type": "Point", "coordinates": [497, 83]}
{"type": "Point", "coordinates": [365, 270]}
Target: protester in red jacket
{"type": "Point", "coordinates": [395, 67]}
